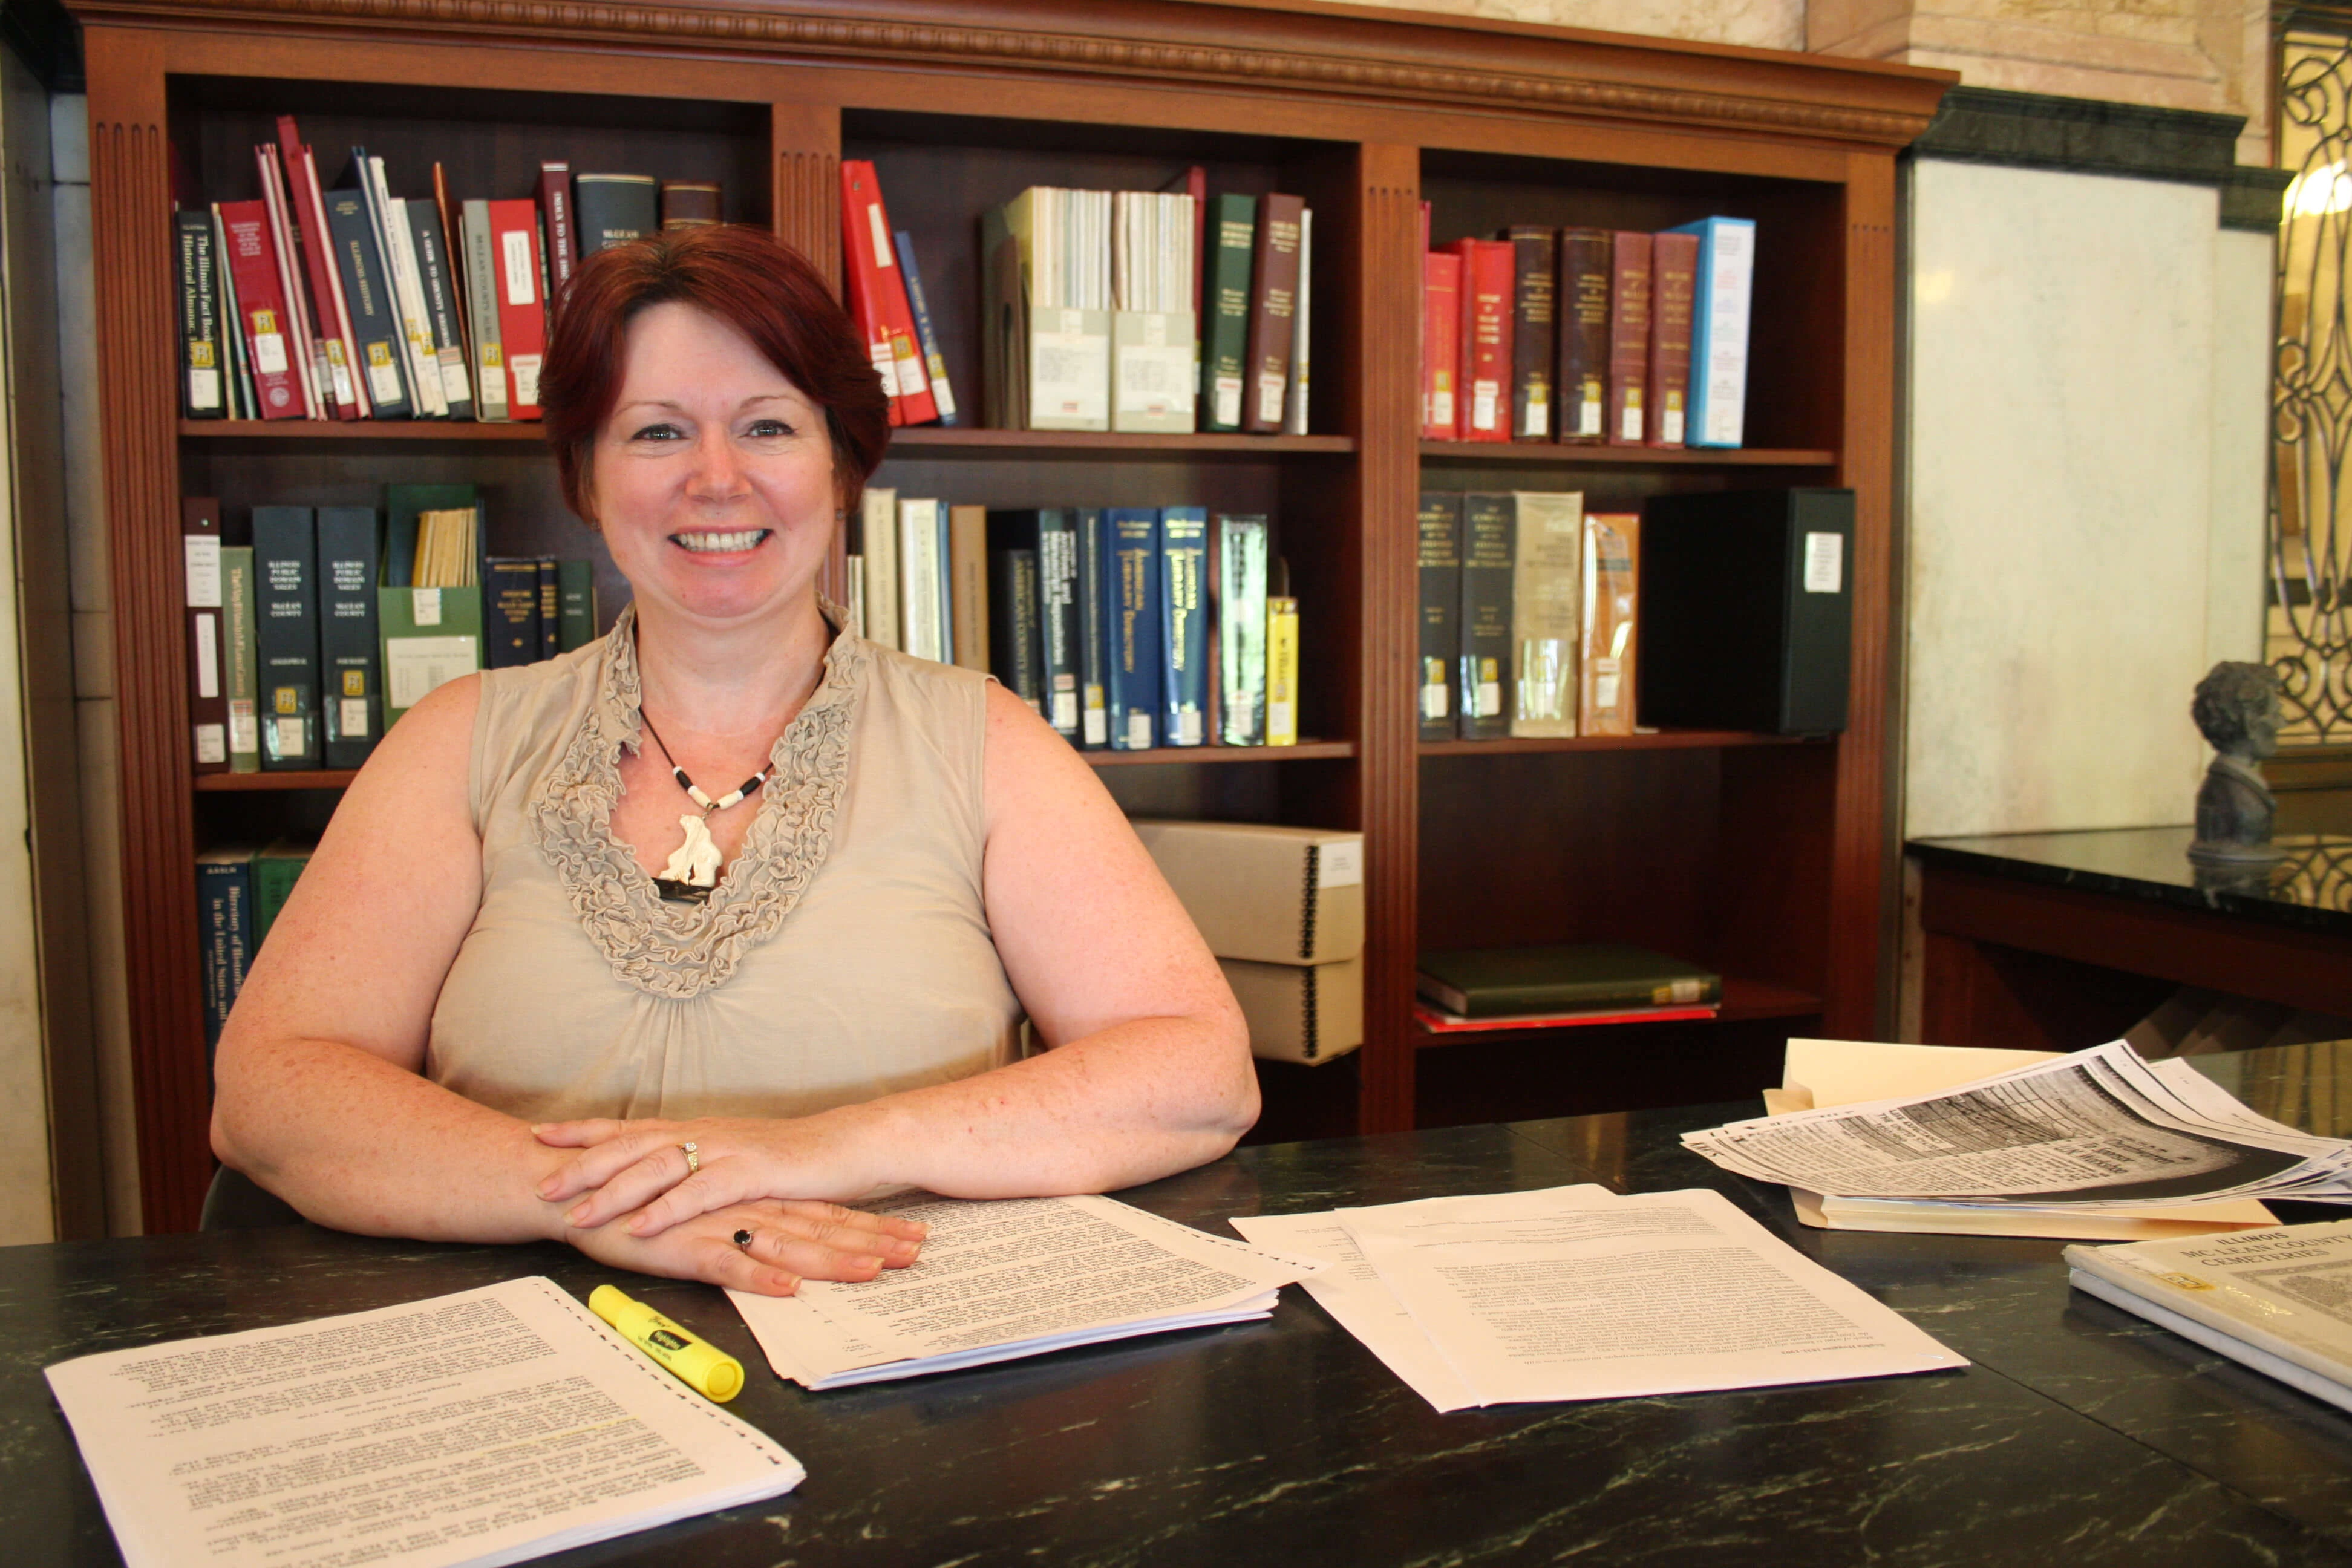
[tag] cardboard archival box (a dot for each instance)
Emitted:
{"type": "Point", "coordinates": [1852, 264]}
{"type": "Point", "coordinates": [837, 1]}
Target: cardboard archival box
{"type": "Point", "coordinates": [1300, 1011]}
{"type": "Point", "coordinates": [1267, 895]}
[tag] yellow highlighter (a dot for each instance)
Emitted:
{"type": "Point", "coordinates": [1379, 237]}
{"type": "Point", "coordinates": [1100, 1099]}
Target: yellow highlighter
{"type": "Point", "coordinates": [709, 1371]}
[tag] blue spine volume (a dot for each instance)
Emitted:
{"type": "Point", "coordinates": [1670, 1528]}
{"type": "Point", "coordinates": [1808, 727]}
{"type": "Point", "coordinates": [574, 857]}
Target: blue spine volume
{"type": "Point", "coordinates": [1132, 608]}
{"type": "Point", "coordinates": [225, 927]}
{"type": "Point", "coordinates": [935, 363]}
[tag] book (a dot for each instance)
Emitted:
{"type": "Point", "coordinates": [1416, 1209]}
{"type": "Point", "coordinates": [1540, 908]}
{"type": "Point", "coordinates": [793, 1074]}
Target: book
{"type": "Point", "coordinates": [1281, 671]}
{"type": "Point", "coordinates": [1184, 625]}
{"type": "Point", "coordinates": [1501, 982]}
{"type": "Point", "coordinates": [934, 361]}
{"type": "Point", "coordinates": [1004, 325]}
{"type": "Point", "coordinates": [559, 224]}
{"type": "Point", "coordinates": [1066, 325]}
{"type": "Point", "coordinates": [1718, 377]}
{"type": "Point", "coordinates": [516, 273]}
{"type": "Point", "coordinates": [1274, 313]}
{"type": "Point", "coordinates": [1154, 373]}
{"type": "Point", "coordinates": [449, 223]}
{"type": "Point", "coordinates": [1629, 338]}
{"type": "Point", "coordinates": [922, 581]}
{"type": "Point", "coordinates": [1605, 662]}
{"type": "Point", "coordinates": [1133, 692]}
{"type": "Point", "coordinates": [1489, 556]}
{"type": "Point", "coordinates": [1240, 596]}
{"type": "Point", "coordinates": [431, 634]}
{"type": "Point", "coordinates": [237, 387]}
{"type": "Point", "coordinates": [223, 931]}
{"type": "Point", "coordinates": [1437, 1021]}
{"type": "Point", "coordinates": [204, 635]}
{"type": "Point", "coordinates": [1547, 611]}
{"type": "Point", "coordinates": [481, 277]}
{"type": "Point", "coordinates": [1095, 620]}
{"type": "Point", "coordinates": [303, 343]}
{"type": "Point", "coordinates": [1295, 420]}
{"type": "Point", "coordinates": [968, 551]}
{"type": "Point", "coordinates": [1673, 272]}
{"type": "Point", "coordinates": [351, 669]}
{"type": "Point", "coordinates": [241, 667]}
{"type": "Point", "coordinates": [1441, 345]}
{"type": "Point", "coordinates": [1484, 380]}
{"type": "Point", "coordinates": [1267, 894]}
{"type": "Point", "coordinates": [878, 544]}
{"type": "Point", "coordinates": [550, 608]}
{"type": "Point", "coordinates": [688, 204]}
{"type": "Point", "coordinates": [1061, 630]}
{"type": "Point", "coordinates": [276, 869]}
{"type": "Point", "coordinates": [286, 635]}
{"type": "Point", "coordinates": [202, 393]}
{"type": "Point", "coordinates": [575, 605]}
{"type": "Point", "coordinates": [877, 296]}
{"type": "Point", "coordinates": [1310, 1013]}
{"type": "Point", "coordinates": [339, 340]}
{"type": "Point", "coordinates": [375, 317]}
{"type": "Point", "coordinates": [510, 612]}
{"type": "Point", "coordinates": [1229, 249]}
{"type": "Point", "coordinates": [263, 324]}
{"type": "Point", "coordinates": [1439, 615]}
{"type": "Point", "coordinates": [614, 210]}
{"type": "Point", "coordinates": [1535, 329]}
{"type": "Point", "coordinates": [438, 276]}
{"type": "Point", "coordinates": [1014, 618]}
{"type": "Point", "coordinates": [423, 365]}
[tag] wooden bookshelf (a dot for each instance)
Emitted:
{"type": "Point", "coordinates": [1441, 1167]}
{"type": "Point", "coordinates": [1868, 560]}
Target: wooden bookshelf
{"type": "Point", "coordinates": [1763, 858]}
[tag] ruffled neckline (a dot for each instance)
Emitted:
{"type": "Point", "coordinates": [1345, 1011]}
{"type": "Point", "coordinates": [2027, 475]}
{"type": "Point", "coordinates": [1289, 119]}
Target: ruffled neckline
{"type": "Point", "coordinates": [679, 950]}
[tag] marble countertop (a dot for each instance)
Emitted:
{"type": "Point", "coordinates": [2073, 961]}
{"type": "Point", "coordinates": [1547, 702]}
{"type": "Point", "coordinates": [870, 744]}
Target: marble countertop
{"type": "Point", "coordinates": [2310, 888]}
{"type": "Point", "coordinates": [2079, 1430]}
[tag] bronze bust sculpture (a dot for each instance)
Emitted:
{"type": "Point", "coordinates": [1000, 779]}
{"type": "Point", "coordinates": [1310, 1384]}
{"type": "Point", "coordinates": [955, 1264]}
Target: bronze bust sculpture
{"type": "Point", "coordinates": [2237, 708]}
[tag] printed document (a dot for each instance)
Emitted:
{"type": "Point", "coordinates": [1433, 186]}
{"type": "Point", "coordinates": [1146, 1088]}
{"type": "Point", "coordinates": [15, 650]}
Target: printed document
{"type": "Point", "coordinates": [485, 1427]}
{"type": "Point", "coordinates": [1013, 1278]}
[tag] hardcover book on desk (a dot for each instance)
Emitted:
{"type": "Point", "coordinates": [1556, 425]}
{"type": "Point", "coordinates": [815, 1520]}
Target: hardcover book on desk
{"type": "Point", "coordinates": [1746, 610]}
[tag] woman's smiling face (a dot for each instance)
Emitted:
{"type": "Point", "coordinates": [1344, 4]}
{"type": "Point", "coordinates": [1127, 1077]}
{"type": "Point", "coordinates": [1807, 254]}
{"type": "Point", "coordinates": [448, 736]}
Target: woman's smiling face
{"type": "Point", "coordinates": [713, 477]}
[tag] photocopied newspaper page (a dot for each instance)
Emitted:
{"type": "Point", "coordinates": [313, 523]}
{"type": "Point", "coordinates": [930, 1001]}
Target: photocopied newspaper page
{"type": "Point", "coordinates": [1007, 1278]}
{"type": "Point", "coordinates": [483, 1428]}
{"type": "Point", "coordinates": [2100, 1126]}
{"type": "Point", "coordinates": [1576, 1293]}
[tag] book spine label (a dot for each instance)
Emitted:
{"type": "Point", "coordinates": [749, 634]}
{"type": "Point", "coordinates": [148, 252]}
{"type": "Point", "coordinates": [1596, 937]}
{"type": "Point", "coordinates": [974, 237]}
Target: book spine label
{"type": "Point", "coordinates": [201, 393]}
{"type": "Point", "coordinates": [266, 333]}
{"type": "Point", "coordinates": [1184, 625]}
{"type": "Point", "coordinates": [1605, 660]}
{"type": "Point", "coordinates": [1674, 274]}
{"type": "Point", "coordinates": [1274, 311]}
{"type": "Point", "coordinates": [1484, 669]}
{"type": "Point", "coordinates": [1629, 338]}
{"type": "Point", "coordinates": [375, 317]}
{"type": "Point", "coordinates": [511, 608]}
{"type": "Point", "coordinates": [1058, 620]}
{"type": "Point", "coordinates": [286, 635]}
{"type": "Point", "coordinates": [242, 665]}
{"type": "Point", "coordinates": [1094, 595]}
{"type": "Point", "coordinates": [523, 312]}
{"type": "Point", "coordinates": [1132, 579]}
{"type": "Point", "coordinates": [1441, 610]}
{"type": "Point", "coordinates": [1535, 332]}
{"type": "Point", "coordinates": [1585, 295]}
{"type": "Point", "coordinates": [482, 312]}
{"type": "Point", "coordinates": [934, 361]}
{"type": "Point", "coordinates": [1282, 671]}
{"type": "Point", "coordinates": [1241, 561]}
{"type": "Point", "coordinates": [205, 601]}
{"type": "Point", "coordinates": [1231, 245]}
{"type": "Point", "coordinates": [1441, 346]}
{"type": "Point", "coordinates": [349, 667]}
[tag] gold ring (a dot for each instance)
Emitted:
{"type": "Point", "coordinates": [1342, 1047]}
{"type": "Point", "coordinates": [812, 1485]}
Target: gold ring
{"type": "Point", "coordinates": [693, 1158]}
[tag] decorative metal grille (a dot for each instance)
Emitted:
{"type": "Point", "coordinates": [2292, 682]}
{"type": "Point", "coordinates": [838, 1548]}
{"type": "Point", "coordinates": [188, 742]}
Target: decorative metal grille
{"type": "Point", "coordinates": [2310, 566]}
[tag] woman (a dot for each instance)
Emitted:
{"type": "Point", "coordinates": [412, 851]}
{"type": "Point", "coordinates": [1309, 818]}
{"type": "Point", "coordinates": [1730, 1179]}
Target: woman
{"type": "Point", "coordinates": [481, 1018]}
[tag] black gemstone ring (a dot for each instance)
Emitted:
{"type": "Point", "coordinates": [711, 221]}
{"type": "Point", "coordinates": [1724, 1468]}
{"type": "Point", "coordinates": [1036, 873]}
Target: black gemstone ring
{"type": "Point", "coordinates": [743, 1238]}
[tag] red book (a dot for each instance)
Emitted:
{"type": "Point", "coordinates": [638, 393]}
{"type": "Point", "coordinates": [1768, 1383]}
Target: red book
{"type": "Point", "coordinates": [261, 308]}
{"type": "Point", "coordinates": [1674, 282]}
{"type": "Point", "coordinates": [344, 396]}
{"type": "Point", "coordinates": [1629, 338]}
{"type": "Point", "coordinates": [1437, 1023]}
{"type": "Point", "coordinates": [523, 314]}
{"type": "Point", "coordinates": [1482, 397]}
{"type": "Point", "coordinates": [877, 288]}
{"type": "Point", "coordinates": [562, 237]}
{"type": "Point", "coordinates": [1441, 346]}
{"type": "Point", "coordinates": [289, 281]}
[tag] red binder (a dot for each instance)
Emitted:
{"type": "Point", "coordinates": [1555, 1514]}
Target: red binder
{"type": "Point", "coordinates": [516, 271]}
{"type": "Point", "coordinates": [269, 342]}
{"type": "Point", "coordinates": [877, 297]}
{"type": "Point", "coordinates": [1483, 398]}
{"type": "Point", "coordinates": [345, 395]}
{"type": "Point", "coordinates": [1440, 347]}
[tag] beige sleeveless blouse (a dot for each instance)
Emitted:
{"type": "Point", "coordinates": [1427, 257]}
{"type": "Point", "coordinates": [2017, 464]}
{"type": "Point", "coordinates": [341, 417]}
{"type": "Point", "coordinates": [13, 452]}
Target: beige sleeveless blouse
{"type": "Point", "coordinates": [845, 954]}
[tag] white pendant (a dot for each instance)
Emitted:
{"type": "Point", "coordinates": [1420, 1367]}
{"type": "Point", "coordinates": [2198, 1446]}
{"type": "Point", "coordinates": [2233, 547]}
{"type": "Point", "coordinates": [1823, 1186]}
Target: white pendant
{"type": "Point", "coordinates": [696, 861]}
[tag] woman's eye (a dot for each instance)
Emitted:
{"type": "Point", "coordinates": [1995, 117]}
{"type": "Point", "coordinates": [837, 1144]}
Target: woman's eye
{"type": "Point", "coordinates": [656, 433]}
{"type": "Point", "coordinates": [767, 429]}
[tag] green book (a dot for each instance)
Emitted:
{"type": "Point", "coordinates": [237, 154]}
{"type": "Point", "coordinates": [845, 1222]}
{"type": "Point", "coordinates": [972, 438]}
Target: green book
{"type": "Point", "coordinates": [1519, 982]}
{"type": "Point", "coordinates": [243, 671]}
{"type": "Point", "coordinates": [430, 635]}
{"type": "Point", "coordinates": [575, 606]}
{"type": "Point", "coordinates": [1231, 247]}
{"type": "Point", "coordinates": [275, 871]}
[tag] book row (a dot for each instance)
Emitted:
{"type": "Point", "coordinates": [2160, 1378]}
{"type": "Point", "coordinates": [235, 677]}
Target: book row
{"type": "Point", "coordinates": [239, 890]}
{"type": "Point", "coordinates": [1707, 610]}
{"type": "Point", "coordinates": [1590, 336]}
{"type": "Point", "coordinates": [1124, 627]}
{"type": "Point", "coordinates": [306, 641]}
{"type": "Point", "coordinates": [351, 303]}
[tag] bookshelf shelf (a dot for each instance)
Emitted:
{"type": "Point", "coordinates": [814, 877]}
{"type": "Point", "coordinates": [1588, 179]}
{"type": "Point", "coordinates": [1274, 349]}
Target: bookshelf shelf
{"type": "Point", "coordinates": [1744, 1001]}
{"type": "Point", "coordinates": [303, 432]}
{"type": "Point", "coordinates": [310, 778]}
{"type": "Point", "coordinates": [1656, 740]}
{"type": "Point", "coordinates": [1537, 454]}
{"type": "Point", "coordinates": [927, 440]}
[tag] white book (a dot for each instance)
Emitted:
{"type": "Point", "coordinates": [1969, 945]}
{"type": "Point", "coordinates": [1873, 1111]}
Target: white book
{"type": "Point", "coordinates": [922, 579]}
{"type": "Point", "coordinates": [879, 526]}
{"type": "Point", "coordinates": [1294, 421]}
{"type": "Point", "coordinates": [407, 295]}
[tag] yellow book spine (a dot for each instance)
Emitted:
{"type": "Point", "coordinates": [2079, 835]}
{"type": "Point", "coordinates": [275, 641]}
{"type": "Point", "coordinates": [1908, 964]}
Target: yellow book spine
{"type": "Point", "coordinates": [1281, 672]}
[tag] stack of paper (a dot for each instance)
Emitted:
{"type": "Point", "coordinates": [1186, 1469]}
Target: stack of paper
{"type": "Point", "coordinates": [1578, 1293]}
{"type": "Point", "coordinates": [1013, 1278]}
{"type": "Point", "coordinates": [2101, 1126]}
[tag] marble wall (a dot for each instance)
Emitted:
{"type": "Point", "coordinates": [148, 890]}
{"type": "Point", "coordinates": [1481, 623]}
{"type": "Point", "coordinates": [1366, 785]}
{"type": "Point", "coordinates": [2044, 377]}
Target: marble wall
{"type": "Point", "coordinates": [1761, 24]}
{"type": "Point", "coordinates": [2087, 394]}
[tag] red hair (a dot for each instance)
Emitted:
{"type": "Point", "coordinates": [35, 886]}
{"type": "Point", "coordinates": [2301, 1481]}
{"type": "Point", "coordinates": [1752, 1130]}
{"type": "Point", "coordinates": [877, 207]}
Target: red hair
{"type": "Point", "coordinates": [744, 277]}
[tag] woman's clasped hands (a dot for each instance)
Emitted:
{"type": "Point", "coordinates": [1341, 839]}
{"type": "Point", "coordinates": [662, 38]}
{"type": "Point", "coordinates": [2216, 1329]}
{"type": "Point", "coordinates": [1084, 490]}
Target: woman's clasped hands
{"type": "Point", "coordinates": [639, 1198]}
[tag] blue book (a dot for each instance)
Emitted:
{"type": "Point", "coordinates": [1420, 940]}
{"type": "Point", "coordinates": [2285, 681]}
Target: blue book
{"type": "Point", "coordinates": [367, 291]}
{"type": "Point", "coordinates": [1184, 625]}
{"type": "Point", "coordinates": [934, 362]}
{"type": "Point", "coordinates": [944, 580]}
{"type": "Point", "coordinates": [1131, 689]}
{"type": "Point", "coordinates": [1094, 630]}
{"type": "Point", "coordinates": [225, 932]}
{"type": "Point", "coordinates": [1719, 312]}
